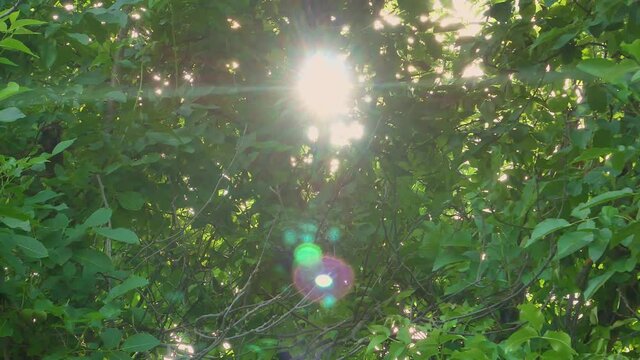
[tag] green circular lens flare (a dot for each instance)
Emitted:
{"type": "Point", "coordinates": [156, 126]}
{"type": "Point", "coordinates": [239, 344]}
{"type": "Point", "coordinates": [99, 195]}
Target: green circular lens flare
{"type": "Point", "coordinates": [328, 301]}
{"type": "Point", "coordinates": [307, 254]}
{"type": "Point", "coordinates": [324, 280]}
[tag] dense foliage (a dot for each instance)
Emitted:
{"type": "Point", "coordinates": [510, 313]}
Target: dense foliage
{"type": "Point", "coordinates": [156, 175]}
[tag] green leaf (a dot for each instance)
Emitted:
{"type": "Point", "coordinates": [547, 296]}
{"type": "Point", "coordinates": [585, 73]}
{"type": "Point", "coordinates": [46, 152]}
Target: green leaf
{"type": "Point", "coordinates": [597, 98]}
{"type": "Point", "coordinates": [41, 197]}
{"type": "Point", "coordinates": [404, 294]}
{"type": "Point", "coordinates": [11, 89]}
{"type": "Point", "coordinates": [572, 242]}
{"type": "Point", "coordinates": [131, 283]}
{"type": "Point", "coordinates": [599, 246]}
{"type": "Point", "coordinates": [119, 355]}
{"type": "Point", "coordinates": [446, 257]}
{"type": "Point", "coordinates": [380, 329]}
{"type": "Point", "coordinates": [49, 51]}
{"type": "Point", "coordinates": [633, 48]}
{"type": "Point", "coordinates": [94, 261]}
{"type": "Point", "coordinates": [596, 283]}
{"type": "Point", "coordinates": [16, 45]}
{"type": "Point", "coordinates": [413, 8]}
{"type": "Point", "coordinates": [99, 217]}
{"type": "Point", "coordinates": [117, 96]}
{"type": "Point", "coordinates": [122, 235]}
{"type": "Point", "coordinates": [532, 315]}
{"type": "Point", "coordinates": [6, 328]}
{"type": "Point", "coordinates": [14, 16]}
{"type": "Point", "coordinates": [593, 153]}
{"type": "Point", "coordinates": [395, 350]}
{"type": "Point", "coordinates": [14, 223]}
{"type": "Point", "coordinates": [608, 70]}
{"type": "Point", "coordinates": [140, 342]}
{"type": "Point", "coordinates": [130, 200]}
{"type": "Point", "coordinates": [30, 246]}
{"type": "Point", "coordinates": [111, 338]}
{"type": "Point", "coordinates": [25, 22]}
{"type": "Point", "coordinates": [5, 61]}
{"type": "Point", "coordinates": [519, 337]}
{"type": "Point", "coordinates": [601, 199]}
{"type": "Point", "coordinates": [11, 114]}
{"type": "Point", "coordinates": [560, 342]}
{"type": "Point", "coordinates": [404, 335]}
{"type": "Point", "coordinates": [63, 145]}
{"type": "Point", "coordinates": [375, 341]}
{"type": "Point", "coordinates": [545, 228]}
{"type": "Point", "coordinates": [83, 39]}
{"type": "Point", "coordinates": [631, 230]}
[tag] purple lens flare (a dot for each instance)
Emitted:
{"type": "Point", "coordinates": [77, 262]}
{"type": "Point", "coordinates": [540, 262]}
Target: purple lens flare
{"type": "Point", "coordinates": [330, 279]}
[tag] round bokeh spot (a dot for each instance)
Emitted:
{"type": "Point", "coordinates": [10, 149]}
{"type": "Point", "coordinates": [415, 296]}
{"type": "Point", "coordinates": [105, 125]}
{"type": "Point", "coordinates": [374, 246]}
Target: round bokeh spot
{"type": "Point", "coordinates": [306, 237]}
{"type": "Point", "coordinates": [308, 232]}
{"type": "Point", "coordinates": [289, 237]}
{"type": "Point", "coordinates": [328, 301]}
{"type": "Point", "coordinates": [333, 234]}
{"type": "Point", "coordinates": [325, 282]}
{"type": "Point", "coordinates": [309, 228]}
{"type": "Point", "coordinates": [307, 255]}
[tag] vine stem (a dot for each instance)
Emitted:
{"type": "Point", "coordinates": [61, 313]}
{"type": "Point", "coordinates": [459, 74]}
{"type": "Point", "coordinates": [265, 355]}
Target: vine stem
{"type": "Point", "coordinates": [107, 241]}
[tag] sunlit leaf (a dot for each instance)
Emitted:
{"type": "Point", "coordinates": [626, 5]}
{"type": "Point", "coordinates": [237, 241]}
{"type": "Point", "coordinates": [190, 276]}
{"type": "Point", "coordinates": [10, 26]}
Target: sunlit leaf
{"type": "Point", "coordinates": [15, 45]}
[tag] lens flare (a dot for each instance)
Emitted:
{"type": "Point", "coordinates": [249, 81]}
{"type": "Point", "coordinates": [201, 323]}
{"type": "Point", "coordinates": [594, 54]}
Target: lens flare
{"type": "Point", "coordinates": [289, 237]}
{"type": "Point", "coordinates": [308, 232]}
{"type": "Point", "coordinates": [326, 282]}
{"type": "Point", "coordinates": [324, 85]}
{"type": "Point", "coordinates": [307, 255]}
{"type": "Point", "coordinates": [328, 301]}
{"type": "Point", "coordinates": [333, 234]}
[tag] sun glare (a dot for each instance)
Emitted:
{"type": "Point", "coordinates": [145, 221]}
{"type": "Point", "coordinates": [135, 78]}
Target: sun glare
{"type": "Point", "coordinates": [323, 280]}
{"type": "Point", "coordinates": [464, 12]}
{"type": "Point", "coordinates": [342, 134]}
{"type": "Point", "coordinates": [324, 85]}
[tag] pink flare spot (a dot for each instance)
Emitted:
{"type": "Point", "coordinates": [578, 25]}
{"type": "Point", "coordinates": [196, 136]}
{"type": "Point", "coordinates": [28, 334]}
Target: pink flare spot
{"type": "Point", "coordinates": [304, 278]}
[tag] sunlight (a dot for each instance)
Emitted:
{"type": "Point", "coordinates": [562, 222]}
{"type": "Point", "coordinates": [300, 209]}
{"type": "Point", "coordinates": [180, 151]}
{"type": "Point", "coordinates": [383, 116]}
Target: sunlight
{"type": "Point", "coordinates": [313, 133]}
{"type": "Point", "coordinates": [463, 12]}
{"type": "Point", "coordinates": [342, 134]}
{"type": "Point", "coordinates": [323, 280]}
{"type": "Point", "coordinates": [473, 70]}
{"type": "Point", "coordinates": [389, 18]}
{"type": "Point", "coordinates": [324, 85]}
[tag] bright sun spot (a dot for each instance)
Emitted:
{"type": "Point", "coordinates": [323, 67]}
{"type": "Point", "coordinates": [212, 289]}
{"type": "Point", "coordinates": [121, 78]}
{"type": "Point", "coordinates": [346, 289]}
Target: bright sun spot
{"type": "Point", "coordinates": [333, 166]}
{"type": "Point", "coordinates": [324, 280]}
{"type": "Point", "coordinates": [389, 18]}
{"type": "Point", "coordinates": [473, 70]}
{"type": "Point", "coordinates": [342, 134]}
{"type": "Point", "coordinates": [324, 85]}
{"type": "Point", "coordinates": [313, 133]}
{"type": "Point", "coordinates": [464, 12]}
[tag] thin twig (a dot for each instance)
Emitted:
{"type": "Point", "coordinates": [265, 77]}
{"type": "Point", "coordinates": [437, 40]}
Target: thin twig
{"type": "Point", "coordinates": [105, 202]}
{"type": "Point", "coordinates": [11, 9]}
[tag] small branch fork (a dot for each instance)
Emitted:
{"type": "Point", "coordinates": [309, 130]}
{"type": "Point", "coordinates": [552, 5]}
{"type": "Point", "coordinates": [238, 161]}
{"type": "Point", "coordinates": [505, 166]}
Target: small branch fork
{"type": "Point", "coordinates": [10, 10]}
